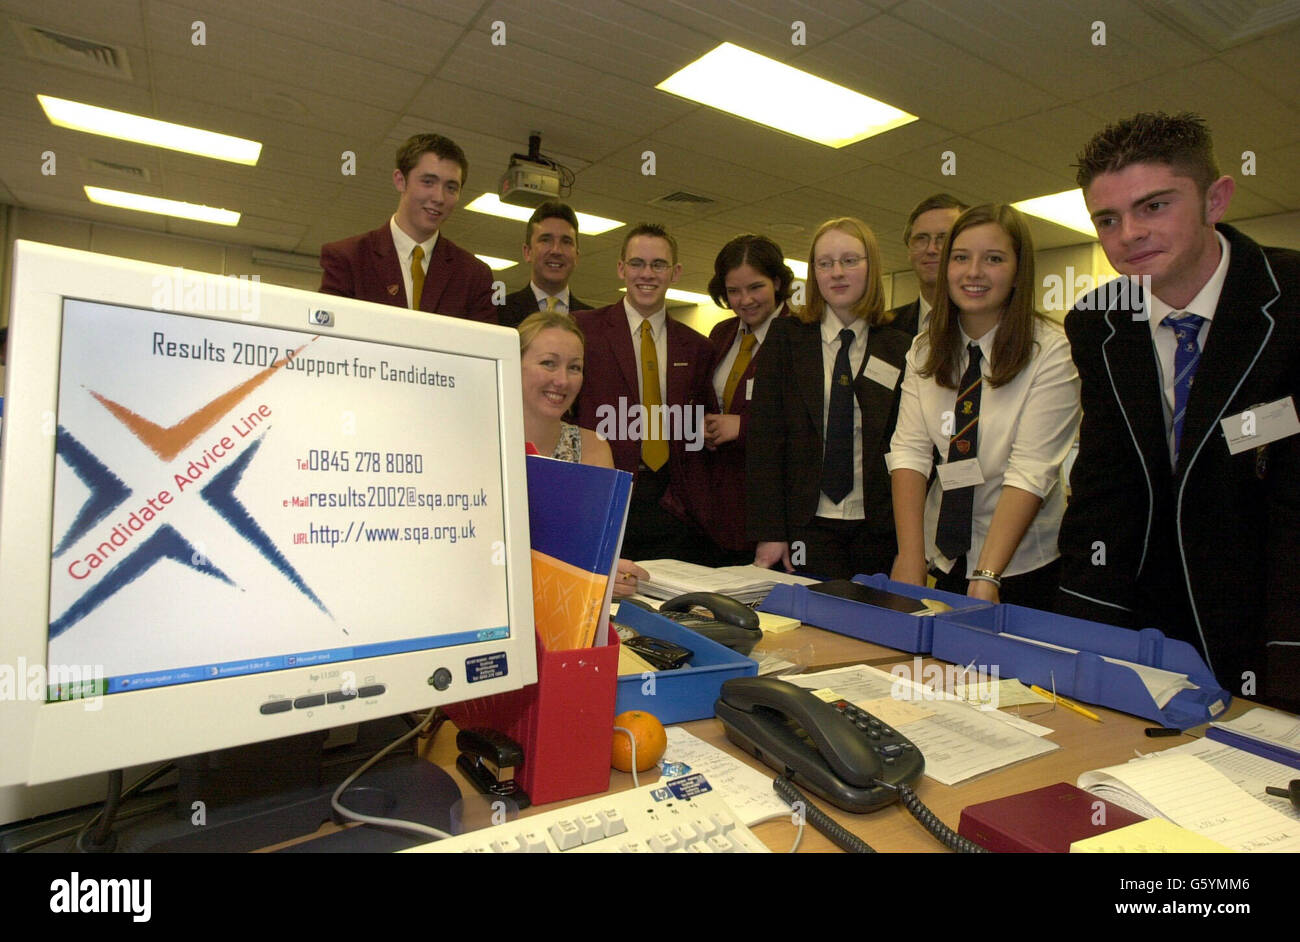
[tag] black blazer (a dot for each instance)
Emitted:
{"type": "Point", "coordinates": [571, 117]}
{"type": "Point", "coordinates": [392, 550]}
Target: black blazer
{"type": "Point", "coordinates": [519, 304]}
{"type": "Point", "coordinates": [784, 452]}
{"type": "Point", "coordinates": [1208, 551]}
{"type": "Point", "coordinates": [907, 318]}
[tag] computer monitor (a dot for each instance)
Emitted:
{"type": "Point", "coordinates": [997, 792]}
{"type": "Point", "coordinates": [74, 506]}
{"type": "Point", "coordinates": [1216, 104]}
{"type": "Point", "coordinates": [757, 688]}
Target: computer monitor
{"type": "Point", "coordinates": [233, 512]}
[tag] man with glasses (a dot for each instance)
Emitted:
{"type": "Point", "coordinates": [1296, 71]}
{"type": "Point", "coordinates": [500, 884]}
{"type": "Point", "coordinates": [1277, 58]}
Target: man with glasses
{"type": "Point", "coordinates": [646, 389]}
{"type": "Point", "coordinates": [927, 230]}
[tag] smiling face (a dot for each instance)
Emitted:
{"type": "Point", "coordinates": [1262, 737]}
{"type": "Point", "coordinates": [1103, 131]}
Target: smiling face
{"type": "Point", "coordinates": [840, 261]}
{"type": "Point", "coordinates": [551, 372]}
{"type": "Point", "coordinates": [428, 195]}
{"type": "Point", "coordinates": [648, 270]}
{"type": "Point", "coordinates": [1154, 222]}
{"type": "Point", "coordinates": [553, 253]}
{"type": "Point", "coordinates": [751, 294]}
{"type": "Point", "coordinates": [981, 270]}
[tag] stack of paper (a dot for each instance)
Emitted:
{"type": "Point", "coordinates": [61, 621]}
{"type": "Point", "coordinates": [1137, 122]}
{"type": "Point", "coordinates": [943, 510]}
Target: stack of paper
{"type": "Point", "coordinates": [670, 578]}
{"type": "Point", "coordinates": [1194, 795]}
{"type": "Point", "coordinates": [1264, 732]}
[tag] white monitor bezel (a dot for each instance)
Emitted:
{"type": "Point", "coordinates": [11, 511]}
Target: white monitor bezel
{"type": "Point", "coordinates": [43, 742]}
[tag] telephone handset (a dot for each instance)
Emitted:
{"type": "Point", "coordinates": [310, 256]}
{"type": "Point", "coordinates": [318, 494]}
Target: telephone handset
{"type": "Point", "coordinates": [836, 750]}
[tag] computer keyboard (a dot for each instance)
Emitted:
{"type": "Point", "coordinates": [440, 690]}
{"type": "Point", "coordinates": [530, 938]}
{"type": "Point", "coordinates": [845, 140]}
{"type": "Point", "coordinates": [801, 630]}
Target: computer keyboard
{"type": "Point", "coordinates": [678, 816]}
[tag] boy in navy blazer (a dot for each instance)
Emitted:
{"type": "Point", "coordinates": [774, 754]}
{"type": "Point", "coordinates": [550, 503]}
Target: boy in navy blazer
{"type": "Point", "coordinates": [1185, 511]}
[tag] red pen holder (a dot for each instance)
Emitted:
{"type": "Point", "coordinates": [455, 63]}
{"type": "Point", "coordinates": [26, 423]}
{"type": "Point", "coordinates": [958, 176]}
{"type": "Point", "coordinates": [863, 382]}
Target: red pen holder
{"type": "Point", "coordinates": [564, 723]}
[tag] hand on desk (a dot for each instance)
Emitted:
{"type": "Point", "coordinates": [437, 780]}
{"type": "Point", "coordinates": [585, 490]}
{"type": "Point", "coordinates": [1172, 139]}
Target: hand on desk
{"type": "Point", "coordinates": [986, 591]}
{"type": "Point", "coordinates": [910, 570]}
{"type": "Point", "coordinates": [769, 553]}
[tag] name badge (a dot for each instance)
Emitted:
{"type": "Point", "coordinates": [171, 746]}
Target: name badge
{"type": "Point", "coordinates": [1260, 425]}
{"type": "Point", "coordinates": [749, 389]}
{"type": "Point", "coordinates": [956, 474]}
{"type": "Point", "coordinates": [878, 371]}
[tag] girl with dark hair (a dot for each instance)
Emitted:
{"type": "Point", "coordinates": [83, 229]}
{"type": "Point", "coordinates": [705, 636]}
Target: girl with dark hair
{"type": "Point", "coordinates": [751, 278]}
{"type": "Point", "coordinates": [992, 388]}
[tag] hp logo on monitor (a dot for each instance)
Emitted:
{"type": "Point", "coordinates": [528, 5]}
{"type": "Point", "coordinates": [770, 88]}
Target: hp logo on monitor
{"type": "Point", "coordinates": [321, 318]}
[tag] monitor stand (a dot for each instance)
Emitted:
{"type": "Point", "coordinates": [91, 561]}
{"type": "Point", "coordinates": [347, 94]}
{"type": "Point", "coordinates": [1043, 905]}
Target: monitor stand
{"type": "Point", "coordinates": [265, 794]}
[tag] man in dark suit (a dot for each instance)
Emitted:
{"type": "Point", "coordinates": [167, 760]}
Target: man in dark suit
{"type": "Point", "coordinates": [927, 230]}
{"type": "Point", "coordinates": [637, 357]}
{"type": "Point", "coordinates": [408, 258]}
{"type": "Point", "coordinates": [1185, 511]}
{"type": "Point", "coordinates": [551, 248]}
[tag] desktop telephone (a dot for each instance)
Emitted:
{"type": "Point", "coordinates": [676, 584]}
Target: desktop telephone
{"type": "Point", "coordinates": [836, 750]}
{"type": "Point", "coordinates": [729, 623]}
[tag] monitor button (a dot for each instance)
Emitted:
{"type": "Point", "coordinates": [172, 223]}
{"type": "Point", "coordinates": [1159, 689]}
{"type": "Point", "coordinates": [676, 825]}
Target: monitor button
{"type": "Point", "coordinates": [338, 696]}
{"type": "Point", "coordinates": [374, 690]}
{"type": "Point", "coordinates": [276, 706]}
{"type": "Point", "coordinates": [309, 701]}
{"type": "Point", "coordinates": [441, 679]}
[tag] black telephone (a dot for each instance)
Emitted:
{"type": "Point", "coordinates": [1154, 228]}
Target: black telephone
{"type": "Point", "coordinates": [732, 624]}
{"type": "Point", "coordinates": [835, 750]}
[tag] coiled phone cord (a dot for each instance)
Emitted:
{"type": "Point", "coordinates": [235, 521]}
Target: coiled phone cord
{"type": "Point", "coordinates": [930, 821]}
{"type": "Point", "coordinates": [819, 819]}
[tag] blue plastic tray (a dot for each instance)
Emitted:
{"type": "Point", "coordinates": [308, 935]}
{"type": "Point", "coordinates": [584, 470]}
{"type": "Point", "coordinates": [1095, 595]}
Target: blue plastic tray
{"type": "Point", "coordinates": [687, 693]}
{"type": "Point", "coordinates": [974, 636]}
{"type": "Point", "coordinates": [892, 629]}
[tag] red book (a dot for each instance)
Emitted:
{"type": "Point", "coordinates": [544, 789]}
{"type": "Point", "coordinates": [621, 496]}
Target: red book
{"type": "Point", "coordinates": [1043, 821]}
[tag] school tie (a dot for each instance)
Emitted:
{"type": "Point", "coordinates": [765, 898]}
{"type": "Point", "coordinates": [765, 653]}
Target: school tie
{"type": "Point", "coordinates": [551, 305]}
{"type": "Point", "coordinates": [417, 277]}
{"type": "Point", "coordinates": [747, 344]}
{"type": "Point", "coordinates": [837, 460]}
{"type": "Point", "coordinates": [654, 450]}
{"type": "Point", "coordinates": [953, 533]}
{"type": "Point", "coordinates": [1187, 329]}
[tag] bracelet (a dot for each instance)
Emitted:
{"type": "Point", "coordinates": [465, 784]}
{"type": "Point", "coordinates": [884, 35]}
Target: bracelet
{"type": "Point", "coordinates": [987, 575]}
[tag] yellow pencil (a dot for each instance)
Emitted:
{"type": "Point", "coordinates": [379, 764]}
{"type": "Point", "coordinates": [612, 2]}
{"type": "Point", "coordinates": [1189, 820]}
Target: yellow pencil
{"type": "Point", "coordinates": [1065, 703]}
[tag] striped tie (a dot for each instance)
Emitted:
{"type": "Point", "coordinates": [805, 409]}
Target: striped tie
{"type": "Point", "coordinates": [956, 510]}
{"type": "Point", "coordinates": [1186, 328]}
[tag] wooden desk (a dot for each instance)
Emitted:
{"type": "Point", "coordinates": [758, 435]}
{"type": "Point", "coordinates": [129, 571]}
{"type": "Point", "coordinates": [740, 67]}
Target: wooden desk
{"type": "Point", "coordinates": [1085, 745]}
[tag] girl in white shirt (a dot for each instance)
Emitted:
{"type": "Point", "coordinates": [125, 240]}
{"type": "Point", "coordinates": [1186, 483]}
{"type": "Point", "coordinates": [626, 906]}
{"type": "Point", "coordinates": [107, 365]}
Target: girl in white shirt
{"type": "Point", "coordinates": [1001, 436]}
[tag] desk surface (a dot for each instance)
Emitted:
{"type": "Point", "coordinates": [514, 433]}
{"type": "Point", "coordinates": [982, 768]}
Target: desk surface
{"type": "Point", "coordinates": [1085, 745]}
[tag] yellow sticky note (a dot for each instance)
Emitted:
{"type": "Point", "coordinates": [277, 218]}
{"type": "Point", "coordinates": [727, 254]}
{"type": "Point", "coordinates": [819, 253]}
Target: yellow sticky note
{"type": "Point", "coordinates": [1154, 836]}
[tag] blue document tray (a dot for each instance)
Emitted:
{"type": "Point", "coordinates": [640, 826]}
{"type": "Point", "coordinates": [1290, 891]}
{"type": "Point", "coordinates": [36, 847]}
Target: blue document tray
{"type": "Point", "coordinates": [904, 632]}
{"type": "Point", "coordinates": [687, 693]}
{"type": "Point", "coordinates": [973, 636]}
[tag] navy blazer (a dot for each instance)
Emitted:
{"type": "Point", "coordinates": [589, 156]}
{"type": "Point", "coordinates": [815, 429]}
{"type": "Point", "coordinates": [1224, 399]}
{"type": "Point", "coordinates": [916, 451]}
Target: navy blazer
{"type": "Point", "coordinates": [519, 304]}
{"type": "Point", "coordinates": [367, 267]}
{"type": "Point", "coordinates": [1206, 551]}
{"type": "Point", "coordinates": [785, 444]}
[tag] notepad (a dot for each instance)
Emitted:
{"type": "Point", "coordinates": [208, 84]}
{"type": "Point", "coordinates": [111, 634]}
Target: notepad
{"type": "Point", "coordinates": [1155, 836]}
{"type": "Point", "coordinates": [1196, 796]}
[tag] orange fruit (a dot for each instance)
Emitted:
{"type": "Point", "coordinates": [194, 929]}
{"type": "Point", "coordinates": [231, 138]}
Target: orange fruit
{"type": "Point", "coordinates": [651, 741]}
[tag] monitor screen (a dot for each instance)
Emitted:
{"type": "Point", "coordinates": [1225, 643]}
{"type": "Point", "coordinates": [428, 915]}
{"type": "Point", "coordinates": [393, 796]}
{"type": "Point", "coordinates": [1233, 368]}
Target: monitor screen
{"type": "Point", "coordinates": [231, 512]}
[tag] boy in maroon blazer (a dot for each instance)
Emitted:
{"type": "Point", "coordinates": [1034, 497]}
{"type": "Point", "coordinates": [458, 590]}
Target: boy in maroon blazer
{"type": "Point", "coordinates": [637, 356]}
{"type": "Point", "coordinates": [408, 258]}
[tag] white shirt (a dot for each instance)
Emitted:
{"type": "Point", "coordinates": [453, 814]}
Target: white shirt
{"type": "Point", "coordinates": [723, 369]}
{"type": "Point", "coordinates": [1166, 343]}
{"type": "Point", "coordinates": [659, 331]}
{"type": "Point", "coordinates": [405, 246]}
{"type": "Point", "coordinates": [851, 508]}
{"type": "Point", "coordinates": [1026, 428]}
{"type": "Point", "coordinates": [561, 299]}
{"type": "Point", "coordinates": [923, 315]}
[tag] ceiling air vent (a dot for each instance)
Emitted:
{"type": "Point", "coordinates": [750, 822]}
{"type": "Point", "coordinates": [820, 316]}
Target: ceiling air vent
{"type": "Point", "coordinates": [74, 52]}
{"type": "Point", "coordinates": [1222, 24]}
{"type": "Point", "coordinates": [110, 168]}
{"type": "Point", "coordinates": [683, 202]}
